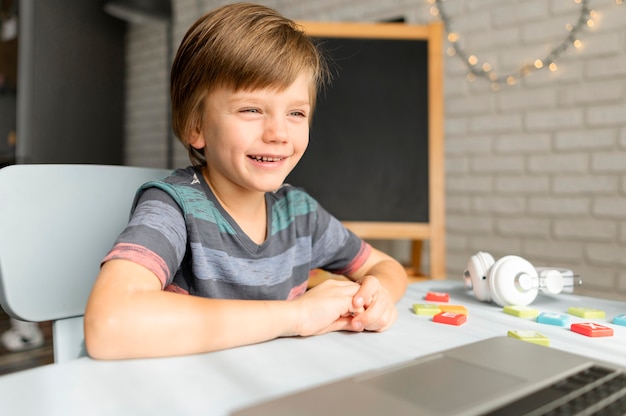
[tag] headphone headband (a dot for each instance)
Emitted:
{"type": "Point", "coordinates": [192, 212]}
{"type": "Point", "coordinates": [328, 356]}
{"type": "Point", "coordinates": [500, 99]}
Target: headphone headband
{"type": "Point", "coordinates": [512, 280]}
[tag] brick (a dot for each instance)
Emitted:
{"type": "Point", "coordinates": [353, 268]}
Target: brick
{"type": "Point", "coordinates": [494, 39]}
{"type": "Point", "coordinates": [571, 9]}
{"type": "Point", "coordinates": [609, 67]}
{"type": "Point", "coordinates": [426, 309]}
{"type": "Point", "coordinates": [588, 139]}
{"type": "Point", "coordinates": [456, 223]}
{"type": "Point", "coordinates": [592, 329]}
{"type": "Point", "coordinates": [590, 93]}
{"type": "Point", "coordinates": [554, 119]}
{"type": "Point", "coordinates": [437, 297]}
{"type": "Point", "coordinates": [469, 145]}
{"type": "Point", "coordinates": [455, 243]}
{"type": "Point", "coordinates": [510, 100]}
{"type": "Point", "coordinates": [518, 55]}
{"type": "Point", "coordinates": [470, 105]}
{"type": "Point", "coordinates": [519, 143]}
{"type": "Point", "coordinates": [537, 32]}
{"type": "Point", "coordinates": [502, 164]}
{"type": "Point", "coordinates": [460, 309]}
{"type": "Point", "coordinates": [481, 5]}
{"type": "Point", "coordinates": [516, 13]}
{"type": "Point", "coordinates": [622, 137]}
{"type": "Point", "coordinates": [455, 86]}
{"type": "Point", "coordinates": [561, 206]}
{"type": "Point", "coordinates": [458, 204]}
{"type": "Point", "coordinates": [606, 162]}
{"type": "Point", "coordinates": [611, 115]}
{"type": "Point", "coordinates": [584, 184]}
{"type": "Point", "coordinates": [619, 320]}
{"type": "Point", "coordinates": [457, 165]}
{"type": "Point", "coordinates": [524, 227]}
{"type": "Point", "coordinates": [597, 277]}
{"type": "Point", "coordinates": [622, 233]}
{"type": "Point", "coordinates": [558, 252]}
{"type": "Point", "coordinates": [529, 336]}
{"type": "Point", "coordinates": [568, 72]}
{"type": "Point", "coordinates": [469, 184]}
{"type": "Point", "coordinates": [584, 229]}
{"type": "Point", "coordinates": [494, 245]}
{"type": "Point", "coordinates": [456, 126]}
{"type": "Point", "coordinates": [450, 318]}
{"type": "Point", "coordinates": [520, 311]}
{"type": "Point", "coordinates": [621, 282]}
{"type": "Point", "coordinates": [471, 22]}
{"type": "Point", "coordinates": [557, 319]}
{"type": "Point", "coordinates": [586, 312]}
{"type": "Point", "coordinates": [500, 204]}
{"type": "Point", "coordinates": [605, 253]}
{"type": "Point", "coordinates": [496, 123]}
{"type": "Point", "coordinates": [612, 19]}
{"type": "Point", "coordinates": [522, 184]}
{"type": "Point", "coordinates": [602, 45]}
{"type": "Point", "coordinates": [565, 163]}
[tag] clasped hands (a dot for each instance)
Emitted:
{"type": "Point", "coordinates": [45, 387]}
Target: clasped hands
{"type": "Point", "coordinates": [337, 305]}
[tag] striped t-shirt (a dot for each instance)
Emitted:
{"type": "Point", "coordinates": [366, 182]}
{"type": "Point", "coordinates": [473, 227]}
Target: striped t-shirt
{"type": "Point", "coordinates": [179, 231]}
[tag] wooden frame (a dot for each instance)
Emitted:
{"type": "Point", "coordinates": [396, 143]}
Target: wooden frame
{"type": "Point", "coordinates": [434, 230]}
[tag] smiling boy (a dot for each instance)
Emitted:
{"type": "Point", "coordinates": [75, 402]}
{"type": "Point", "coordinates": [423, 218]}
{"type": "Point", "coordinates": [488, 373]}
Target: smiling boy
{"type": "Point", "coordinates": [218, 254]}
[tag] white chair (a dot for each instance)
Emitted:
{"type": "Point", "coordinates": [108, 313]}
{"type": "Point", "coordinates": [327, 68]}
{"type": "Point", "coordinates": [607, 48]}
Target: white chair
{"type": "Point", "coordinates": [57, 222]}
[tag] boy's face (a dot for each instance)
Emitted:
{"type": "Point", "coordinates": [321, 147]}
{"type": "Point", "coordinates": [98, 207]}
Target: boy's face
{"type": "Point", "coordinates": [253, 139]}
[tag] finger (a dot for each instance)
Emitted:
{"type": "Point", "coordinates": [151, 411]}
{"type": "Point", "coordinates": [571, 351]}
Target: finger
{"type": "Point", "coordinates": [341, 324]}
{"type": "Point", "coordinates": [365, 295]}
{"type": "Point", "coordinates": [384, 322]}
{"type": "Point", "coordinates": [378, 316]}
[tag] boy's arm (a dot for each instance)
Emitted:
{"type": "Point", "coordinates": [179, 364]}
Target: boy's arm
{"type": "Point", "coordinates": [128, 315]}
{"type": "Point", "coordinates": [383, 282]}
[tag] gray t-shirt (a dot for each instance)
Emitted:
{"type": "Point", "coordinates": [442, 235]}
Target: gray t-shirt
{"type": "Point", "coordinates": [179, 231]}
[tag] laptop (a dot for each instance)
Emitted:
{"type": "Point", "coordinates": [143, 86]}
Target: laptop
{"type": "Point", "coordinates": [496, 376]}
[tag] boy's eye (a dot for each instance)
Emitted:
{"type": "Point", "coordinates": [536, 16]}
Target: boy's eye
{"type": "Point", "coordinates": [249, 110]}
{"type": "Point", "coordinates": [298, 113]}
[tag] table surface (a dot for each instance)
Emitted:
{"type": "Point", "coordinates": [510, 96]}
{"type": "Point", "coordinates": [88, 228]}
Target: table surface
{"type": "Point", "coordinates": [218, 383]}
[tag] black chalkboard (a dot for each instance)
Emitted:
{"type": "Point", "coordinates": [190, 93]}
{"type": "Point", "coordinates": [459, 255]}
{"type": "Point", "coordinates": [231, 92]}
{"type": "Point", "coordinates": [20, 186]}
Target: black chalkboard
{"type": "Point", "coordinates": [368, 156]}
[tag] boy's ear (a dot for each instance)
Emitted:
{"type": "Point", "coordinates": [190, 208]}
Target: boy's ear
{"type": "Point", "coordinates": [196, 139]}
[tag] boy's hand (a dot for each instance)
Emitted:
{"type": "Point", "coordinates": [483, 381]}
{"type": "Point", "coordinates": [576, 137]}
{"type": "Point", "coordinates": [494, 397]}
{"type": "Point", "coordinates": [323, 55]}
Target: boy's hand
{"type": "Point", "coordinates": [378, 306]}
{"type": "Point", "coordinates": [327, 307]}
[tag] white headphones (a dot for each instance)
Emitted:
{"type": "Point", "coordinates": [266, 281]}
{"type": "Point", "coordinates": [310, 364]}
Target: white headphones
{"type": "Point", "coordinates": [511, 280]}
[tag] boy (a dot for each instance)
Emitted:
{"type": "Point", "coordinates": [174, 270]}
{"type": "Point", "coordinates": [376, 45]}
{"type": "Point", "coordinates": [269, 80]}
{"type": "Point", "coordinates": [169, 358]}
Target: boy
{"type": "Point", "coordinates": [218, 254]}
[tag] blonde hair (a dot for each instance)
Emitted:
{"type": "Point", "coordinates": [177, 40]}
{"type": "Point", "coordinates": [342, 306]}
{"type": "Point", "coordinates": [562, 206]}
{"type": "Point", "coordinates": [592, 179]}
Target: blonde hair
{"type": "Point", "coordinates": [241, 46]}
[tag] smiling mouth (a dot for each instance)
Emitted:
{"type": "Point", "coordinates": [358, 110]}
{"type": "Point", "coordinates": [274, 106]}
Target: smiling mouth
{"type": "Point", "coordinates": [266, 158]}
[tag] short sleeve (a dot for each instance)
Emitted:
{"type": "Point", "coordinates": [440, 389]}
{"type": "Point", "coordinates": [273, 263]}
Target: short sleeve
{"type": "Point", "coordinates": [335, 248]}
{"type": "Point", "coordinates": [155, 237]}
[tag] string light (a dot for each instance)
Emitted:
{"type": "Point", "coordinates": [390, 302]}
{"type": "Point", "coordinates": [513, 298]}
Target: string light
{"type": "Point", "coordinates": [485, 70]}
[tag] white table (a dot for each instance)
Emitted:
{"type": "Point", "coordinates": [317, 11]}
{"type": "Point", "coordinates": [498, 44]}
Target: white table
{"type": "Point", "coordinates": [220, 382]}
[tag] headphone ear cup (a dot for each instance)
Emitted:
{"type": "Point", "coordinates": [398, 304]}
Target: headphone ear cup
{"type": "Point", "coordinates": [476, 272]}
{"type": "Point", "coordinates": [503, 278]}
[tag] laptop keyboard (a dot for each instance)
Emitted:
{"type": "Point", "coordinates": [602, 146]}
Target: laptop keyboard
{"type": "Point", "coordinates": [593, 391]}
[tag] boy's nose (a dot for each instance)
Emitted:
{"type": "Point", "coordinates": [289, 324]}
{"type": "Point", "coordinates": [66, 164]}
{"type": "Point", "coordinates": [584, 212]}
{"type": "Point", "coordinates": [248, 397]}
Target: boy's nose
{"type": "Point", "coordinates": [275, 130]}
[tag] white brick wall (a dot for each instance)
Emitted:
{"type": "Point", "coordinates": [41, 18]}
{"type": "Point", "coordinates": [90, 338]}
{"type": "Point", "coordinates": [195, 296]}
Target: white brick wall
{"type": "Point", "coordinates": [537, 169]}
{"type": "Point", "coordinates": [147, 96]}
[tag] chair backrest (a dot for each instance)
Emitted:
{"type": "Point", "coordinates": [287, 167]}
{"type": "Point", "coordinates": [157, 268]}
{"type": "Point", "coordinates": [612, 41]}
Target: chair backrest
{"type": "Point", "coordinates": [57, 222]}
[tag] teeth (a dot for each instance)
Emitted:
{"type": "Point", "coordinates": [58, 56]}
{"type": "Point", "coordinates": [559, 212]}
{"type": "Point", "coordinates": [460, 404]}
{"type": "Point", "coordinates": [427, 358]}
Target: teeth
{"type": "Point", "coordinates": [266, 159]}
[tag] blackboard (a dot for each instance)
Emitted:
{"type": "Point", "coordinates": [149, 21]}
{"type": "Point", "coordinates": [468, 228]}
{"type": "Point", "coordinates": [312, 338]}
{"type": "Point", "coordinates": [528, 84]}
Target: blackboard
{"type": "Point", "coordinates": [375, 158]}
{"type": "Point", "coordinates": [367, 158]}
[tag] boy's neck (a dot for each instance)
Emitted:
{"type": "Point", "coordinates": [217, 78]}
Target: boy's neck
{"type": "Point", "coordinates": [248, 209]}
